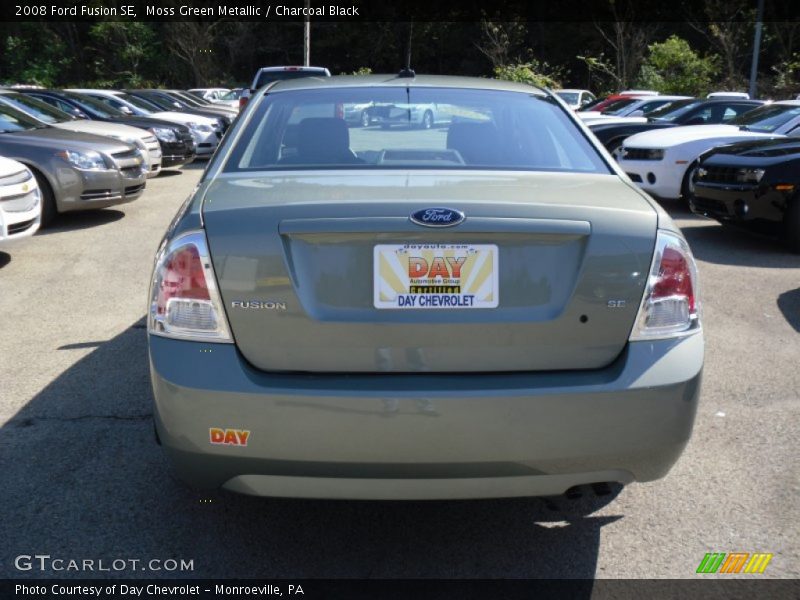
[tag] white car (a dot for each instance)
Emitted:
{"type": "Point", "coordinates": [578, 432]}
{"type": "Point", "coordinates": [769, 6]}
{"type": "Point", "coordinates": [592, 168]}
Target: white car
{"type": "Point", "coordinates": [20, 201]}
{"type": "Point", "coordinates": [206, 131]}
{"type": "Point", "coordinates": [210, 94]}
{"type": "Point", "coordinates": [575, 98]}
{"type": "Point", "coordinates": [628, 108]}
{"type": "Point", "coordinates": [47, 114]}
{"type": "Point", "coordinates": [661, 161]}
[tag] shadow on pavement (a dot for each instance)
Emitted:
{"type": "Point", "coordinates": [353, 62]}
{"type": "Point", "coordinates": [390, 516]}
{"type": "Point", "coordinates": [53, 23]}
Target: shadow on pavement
{"type": "Point", "coordinates": [84, 478]}
{"type": "Point", "coordinates": [789, 305]}
{"type": "Point", "coordinates": [712, 242]}
{"type": "Point", "coordinates": [83, 219]}
{"type": "Point", "coordinates": [4, 259]}
{"type": "Point", "coordinates": [168, 172]}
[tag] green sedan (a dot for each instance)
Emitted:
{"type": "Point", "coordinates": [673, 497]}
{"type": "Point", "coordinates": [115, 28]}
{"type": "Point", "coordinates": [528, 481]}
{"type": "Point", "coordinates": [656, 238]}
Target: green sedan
{"type": "Point", "coordinates": [486, 307]}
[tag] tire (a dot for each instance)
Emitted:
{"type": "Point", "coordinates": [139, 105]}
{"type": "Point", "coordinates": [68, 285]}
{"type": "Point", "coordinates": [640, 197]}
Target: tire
{"type": "Point", "coordinates": [365, 120]}
{"type": "Point", "coordinates": [427, 120]}
{"type": "Point", "coordinates": [791, 225]}
{"type": "Point", "coordinates": [49, 208]}
{"type": "Point", "coordinates": [687, 189]}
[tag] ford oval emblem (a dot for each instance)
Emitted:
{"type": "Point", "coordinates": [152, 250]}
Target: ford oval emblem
{"type": "Point", "coordinates": [437, 217]}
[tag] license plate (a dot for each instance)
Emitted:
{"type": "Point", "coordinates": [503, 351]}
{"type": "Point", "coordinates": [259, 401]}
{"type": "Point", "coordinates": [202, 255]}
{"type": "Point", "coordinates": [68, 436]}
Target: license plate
{"type": "Point", "coordinates": [435, 276]}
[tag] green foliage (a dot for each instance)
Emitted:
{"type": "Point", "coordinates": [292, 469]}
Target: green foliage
{"type": "Point", "coordinates": [361, 71]}
{"type": "Point", "coordinates": [135, 46]}
{"type": "Point", "coordinates": [672, 67]}
{"type": "Point", "coordinates": [533, 73]}
{"type": "Point", "coordinates": [34, 56]}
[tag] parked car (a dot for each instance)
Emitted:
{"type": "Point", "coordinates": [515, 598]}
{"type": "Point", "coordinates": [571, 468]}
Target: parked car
{"type": "Point", "coordinates": [575, 98]}
{"type": "Point", "coordinates": [628, 108]}
{"type": "Point", "coordinates": [201, 103]}
{"type": "Point", "coordinates": [212, 94]}
{"type": "Point", "coordinates": [266, 75]}
{"type": "Point", "coordinates": [75, 171]}
{"type": "Point", "coordinates": [231, 99]}
{"type": "Point", "coordinates": [484, 312]}
{"type": "Point", "coordinates": [49, 115]}
{"type": "Point", "coordinates": [753, 184]}
{"type": "Point", "coordinates": [166, 100]}
{"type": "Point", "coordinates": [744, 95]}
{"type": "Point", "coordinates": [176, 141]}
{"type": "Point", "coordinates": [660, 161]}
{"type": "Point", "coordinates": [673, 114]}
{"type": "Point", "coordinates": [206, 131]}
{"type": "Point", "coordinates": [602, 104]}
{"type": "Point", "coordinates": [20, 201]}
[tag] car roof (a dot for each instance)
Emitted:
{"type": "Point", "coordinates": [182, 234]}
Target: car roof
{"type": "Point", "coordinates": [339, 81]}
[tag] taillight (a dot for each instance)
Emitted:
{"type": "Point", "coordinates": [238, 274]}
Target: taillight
{"type": "Point", "coordinates": [243, 101]}
{"type": "Point", "coordinates": [671, 305]}
{"type": "Point", "coordinates": [184, 301]}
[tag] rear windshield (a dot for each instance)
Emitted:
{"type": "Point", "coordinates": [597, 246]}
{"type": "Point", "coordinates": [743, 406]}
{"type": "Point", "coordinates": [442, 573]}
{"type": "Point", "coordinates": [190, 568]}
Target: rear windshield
{"type": "Point", "coordinates": [768, 118]}
{"type": "Point", "coordinates": [568, 97]}
{"type": "Point", "coordinates": [427, 128]}
{"type": "Point", "coordinates": [270, 76]}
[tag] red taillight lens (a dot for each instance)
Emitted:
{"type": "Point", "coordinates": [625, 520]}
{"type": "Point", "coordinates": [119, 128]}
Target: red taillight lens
{"type": "Point", "coordinates": [182, 278]}
{"type": "Point", "coordinates": [184, 302]}
{"type": "Point", "coordinates": [243, 101]}
{"type": "Point", "coordinates": [670, 306]}
{"type": "Point", "coordinates": [674, 277]}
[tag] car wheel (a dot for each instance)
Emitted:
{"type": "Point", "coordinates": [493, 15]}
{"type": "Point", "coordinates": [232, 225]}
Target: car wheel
{"type": "Point", "coordinates": [427, 120]}
{"type": "Point", "coordinates": [49, 209]}
{"type": "Point", "coordinates": [687, 185]}
{"type": "Point", "coordinates": [791, 225]}
{"type": "Point", "coordinates": [365, 120]}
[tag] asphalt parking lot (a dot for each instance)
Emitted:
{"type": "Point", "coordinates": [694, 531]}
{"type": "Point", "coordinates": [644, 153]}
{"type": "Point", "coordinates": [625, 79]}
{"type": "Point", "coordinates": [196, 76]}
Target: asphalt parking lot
{"type": "Point", "coordinates": [84, 479]}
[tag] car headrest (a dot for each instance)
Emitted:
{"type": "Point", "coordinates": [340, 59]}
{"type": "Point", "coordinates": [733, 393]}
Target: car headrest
{"type": "Point", "coordinates": [478, 143]}
{"type": "Point", "coordinates": [322, 137]}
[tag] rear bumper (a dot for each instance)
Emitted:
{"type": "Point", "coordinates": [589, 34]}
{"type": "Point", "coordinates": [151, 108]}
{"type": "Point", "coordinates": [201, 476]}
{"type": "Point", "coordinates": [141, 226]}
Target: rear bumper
{"type": "Point", "coordinates": [424, 436]}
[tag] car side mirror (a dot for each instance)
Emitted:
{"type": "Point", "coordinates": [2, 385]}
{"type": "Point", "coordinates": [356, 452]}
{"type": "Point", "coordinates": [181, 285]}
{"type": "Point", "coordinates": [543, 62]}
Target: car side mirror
{"type": "Point", "coordinates": [126, 110]}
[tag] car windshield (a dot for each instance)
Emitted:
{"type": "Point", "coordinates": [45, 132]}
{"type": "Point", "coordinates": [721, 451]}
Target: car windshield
{"type": "Point", "coordinates": [269, 76]}
{"type": "Point", "coordinates": [12, 119]}
{"type": "Point", "coordinates": [232, 95]}
{"type": "Point", "coordinates": [766, 119]}
{"type": "Point", "coordinates": [95, 107]}
{"type": "Point", "coordinates": [188, 99]}
{"type": "Point", "coordinates": [408, 128]}
{"type": "Point", "coordinates": [618, 105]}
{"type": "Point", "coordinates": [157, 100]}
{"type": "Point", "coordinates": [36, 108]}
{"type": "Point", "coordinates": [143, 105]}
{"type": "Point", "coordinates": [568, 97]}
{"type": "Point", "coordinates": [673, 110]}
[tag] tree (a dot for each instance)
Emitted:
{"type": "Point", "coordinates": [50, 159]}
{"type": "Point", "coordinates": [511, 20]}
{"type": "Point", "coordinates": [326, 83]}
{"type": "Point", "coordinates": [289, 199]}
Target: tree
{"type": "Point", "coordinates": [672, 67]}
{"type": "Point", "coordinates": [135, 46]}
{"type": "Point", "coordinates": [532, 73]}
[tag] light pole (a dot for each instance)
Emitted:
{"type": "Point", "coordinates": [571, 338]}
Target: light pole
{"type": "Point", "coordinates": [756, 49]}
{"type": "Point", "coordinates": [307, 36]}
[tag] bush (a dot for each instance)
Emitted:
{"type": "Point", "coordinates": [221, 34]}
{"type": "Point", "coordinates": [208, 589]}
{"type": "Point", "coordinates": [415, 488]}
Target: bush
{"type": "Point", "coordinates": [672, 67]}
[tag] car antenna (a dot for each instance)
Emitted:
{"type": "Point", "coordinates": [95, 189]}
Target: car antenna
{"type": "Point", "coordinates": [407, 71]}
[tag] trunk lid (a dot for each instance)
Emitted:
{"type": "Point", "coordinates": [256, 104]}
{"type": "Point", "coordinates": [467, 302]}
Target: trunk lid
{"type": "Point", "coordinates": [296, 259]}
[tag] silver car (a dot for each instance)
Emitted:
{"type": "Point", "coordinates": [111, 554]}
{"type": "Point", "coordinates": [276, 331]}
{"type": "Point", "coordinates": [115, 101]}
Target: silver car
{"type": "Point", "coordinates": [486, 310]}
{"type": "Point", "coordinates": [75, 171]}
